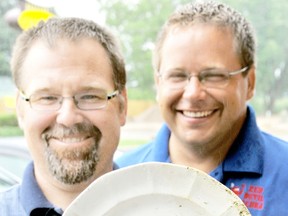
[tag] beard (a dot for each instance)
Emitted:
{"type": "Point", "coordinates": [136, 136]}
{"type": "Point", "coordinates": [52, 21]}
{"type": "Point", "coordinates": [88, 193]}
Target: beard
{"type": "Point", "coordinates": [77, 165]}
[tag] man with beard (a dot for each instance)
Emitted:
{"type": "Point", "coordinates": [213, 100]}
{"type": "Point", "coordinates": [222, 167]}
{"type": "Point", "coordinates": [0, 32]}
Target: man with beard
{"type": "Point", "coordinates": [204, 63]}
{"type": "Point", "coordinates": [71, 103]}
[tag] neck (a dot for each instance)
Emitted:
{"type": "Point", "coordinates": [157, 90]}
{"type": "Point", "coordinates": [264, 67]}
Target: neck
{"type": "Point", "coordinates": [60, 194]}
{"type": "Point", "coordinates": [204, 156]}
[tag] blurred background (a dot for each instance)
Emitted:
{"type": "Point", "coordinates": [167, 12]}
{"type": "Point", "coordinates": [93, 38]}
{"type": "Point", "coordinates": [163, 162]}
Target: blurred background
{"type": "Point", "coordinates": [136, 23]}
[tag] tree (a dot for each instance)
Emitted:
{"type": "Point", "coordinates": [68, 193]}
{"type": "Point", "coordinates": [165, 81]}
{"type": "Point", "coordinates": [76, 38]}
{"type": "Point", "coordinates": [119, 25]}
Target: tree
{"type": "Point", "coordinates": [270, 22]}
{"type": "Point", "coordinates": [138, 22]}
{"type": "Point", "coordinates": [7, 37]}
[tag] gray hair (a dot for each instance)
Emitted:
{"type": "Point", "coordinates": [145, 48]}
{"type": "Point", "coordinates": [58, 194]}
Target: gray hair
{"type": "Point", "coordinates": [215, 14]}
{"type": "Point", "coordinates": [71, 29]}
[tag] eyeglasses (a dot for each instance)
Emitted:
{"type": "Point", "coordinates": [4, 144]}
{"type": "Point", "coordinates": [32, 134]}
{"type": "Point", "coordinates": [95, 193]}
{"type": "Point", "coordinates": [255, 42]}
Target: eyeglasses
{"type": "Point", "coordinates": [91, 100]}
{"type": "Point", "coordinates": [212, 78]}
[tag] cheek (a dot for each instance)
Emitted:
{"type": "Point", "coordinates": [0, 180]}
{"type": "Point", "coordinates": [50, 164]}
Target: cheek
{"type": "Point", "coordinates": [35, 123]}
{"type": "Point", "coordinates": [234, 101]}
{"type": "Point", "coordinates": [240, 96]}
{"type": "Point", "coordinates": [33, 127]}
{"type": "Point", "coordinates": [162, 100]}
{"type": "Point", "coordinates": [108, 122]}
{"type": "Point", "coordinates": [167, 99]}
{"type": "Point", "coordinates": [109, 125]}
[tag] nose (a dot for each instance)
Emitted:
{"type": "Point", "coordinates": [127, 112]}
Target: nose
{"type": "Point", "coordinates": [194, 88]}
{"type": "Point", "coordinates": [69, 114]}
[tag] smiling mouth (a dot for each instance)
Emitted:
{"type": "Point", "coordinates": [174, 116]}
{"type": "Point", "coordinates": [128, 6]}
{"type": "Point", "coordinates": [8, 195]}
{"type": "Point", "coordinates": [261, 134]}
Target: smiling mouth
{"type": "Point", "coordinates": [71, 139]}
{"type": "Point", "coordinates": [201, 114]}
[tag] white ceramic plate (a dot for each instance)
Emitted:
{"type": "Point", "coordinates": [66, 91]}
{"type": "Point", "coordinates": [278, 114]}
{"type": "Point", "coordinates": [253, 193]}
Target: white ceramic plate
{"type": "Point", "coordinates": [157, 189]}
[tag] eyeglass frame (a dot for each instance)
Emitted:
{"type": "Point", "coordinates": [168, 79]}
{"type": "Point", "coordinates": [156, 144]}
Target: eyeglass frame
{"type": "Point", "coordinates": [201, 79]}
{"type": "Point", "coordinates": [61, 98]}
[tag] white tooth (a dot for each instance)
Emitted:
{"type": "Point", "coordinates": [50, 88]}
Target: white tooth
{"type": "Point", "coordinates": [72, 139]}
{"type": "Point", "coordinates": [197, 114]}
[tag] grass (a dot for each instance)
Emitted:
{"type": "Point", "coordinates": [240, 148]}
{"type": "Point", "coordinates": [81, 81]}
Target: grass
{"type": "Point", "coordinates": [8, 131]}
{"type": "Point", "coordinates": [126, 144]}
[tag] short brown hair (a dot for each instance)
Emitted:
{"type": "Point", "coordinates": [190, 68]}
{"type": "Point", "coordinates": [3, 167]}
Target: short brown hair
{"type": "Point", "coordinates": [216, 14]}
{"type": "Point", "coordinates": [71, 29]}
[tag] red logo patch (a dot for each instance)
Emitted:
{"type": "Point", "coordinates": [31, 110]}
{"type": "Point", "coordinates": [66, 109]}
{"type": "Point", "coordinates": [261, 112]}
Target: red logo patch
{"type": "Point", "coordinates": [253, 197]}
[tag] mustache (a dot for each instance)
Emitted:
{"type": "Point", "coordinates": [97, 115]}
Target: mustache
{"type": "Point", "coordinates": [59, 131]}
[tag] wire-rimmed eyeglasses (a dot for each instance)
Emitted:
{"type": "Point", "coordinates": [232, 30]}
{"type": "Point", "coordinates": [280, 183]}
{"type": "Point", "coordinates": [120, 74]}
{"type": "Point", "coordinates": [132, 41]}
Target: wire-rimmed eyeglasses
{"type": "Point", "coordinates": [91, 100]}
{"type": "Point", "coordinates": [212, 78]}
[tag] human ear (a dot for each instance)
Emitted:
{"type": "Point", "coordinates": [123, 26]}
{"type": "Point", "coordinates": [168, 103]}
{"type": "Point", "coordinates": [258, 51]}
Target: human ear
{"type": "Point", "coordinates": [251, 76]}
{"type": "Point", "coordinates": [156, 81]}
{"type": "Point", "coordinates": [123, 106]}
{"type": "Point", "coordinates": [19, 111]}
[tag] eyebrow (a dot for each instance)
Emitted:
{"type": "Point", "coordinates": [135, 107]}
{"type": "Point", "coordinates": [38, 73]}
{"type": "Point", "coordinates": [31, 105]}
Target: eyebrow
{"type": "Point", "coordinates": [50, 90]}
{"type": "Point", "coordinates": [91, 88]}
{"type": "Point", "coordinates": [175, 69]}
{"type": "Point", "coordinates": [187, 71]}
{"type": "Point", "coordinates": [41, 90]}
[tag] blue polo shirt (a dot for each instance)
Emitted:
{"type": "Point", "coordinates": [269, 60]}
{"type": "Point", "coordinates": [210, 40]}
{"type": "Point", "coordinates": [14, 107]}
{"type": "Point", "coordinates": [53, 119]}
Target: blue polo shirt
{"type": "Point", "coordinates": [255, 168]}
{"type": "Point", "coordinates": [27, 199]}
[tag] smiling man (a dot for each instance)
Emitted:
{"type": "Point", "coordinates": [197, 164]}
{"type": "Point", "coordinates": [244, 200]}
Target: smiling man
{"type": "Point", "coordinates": [71, 104]}
{"type": "Point", "coordinates": [204, 64]}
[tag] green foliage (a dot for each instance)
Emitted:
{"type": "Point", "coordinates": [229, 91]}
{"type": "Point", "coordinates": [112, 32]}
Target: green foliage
{"type": "Point", "coordinates": [138, 22]}
{"type": "Point", "coordinates": [9, 125]}
{"type": "Point", "coordinates": [126, 143]}
{"type": "Point", "coordinates": [137, 26]}
{"type": "Point", "coordinates": [7, 37]}
{"type": "Point", "coordinates": [270, 21]}
{"type": "Point", "coordinates": [258, 105]}
{"type": "Point", "coordinates": [139, 94]}
{"type": "Point", "coordinates": [10, 131]}
{"type": "Point", "coordinates": [8, 120]}
{"type": "Point", "coordinates": [281, 106]}
{"type": "Point", "coordinates": [4, 64]}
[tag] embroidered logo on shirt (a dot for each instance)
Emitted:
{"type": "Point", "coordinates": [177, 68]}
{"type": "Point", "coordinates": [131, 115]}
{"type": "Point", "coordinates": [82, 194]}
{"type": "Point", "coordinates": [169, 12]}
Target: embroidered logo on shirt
{"type": "Point", "coordinates": [238, 190]}
{"type": "Point", "coordinates": [252, 196]}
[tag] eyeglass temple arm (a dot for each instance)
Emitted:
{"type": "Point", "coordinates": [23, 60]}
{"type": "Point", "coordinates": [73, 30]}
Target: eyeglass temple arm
{"type": "Point", "coordinates": [23, 96]}
{"type": "Point", "coordinates": [239, 71]}
{"type": "Point", "coordinates": [112, 95]}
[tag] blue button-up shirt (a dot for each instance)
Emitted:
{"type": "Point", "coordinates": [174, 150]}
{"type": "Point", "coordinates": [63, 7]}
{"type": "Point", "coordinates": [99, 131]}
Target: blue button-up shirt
{"type": "Point", "coordinates": [255, 168]}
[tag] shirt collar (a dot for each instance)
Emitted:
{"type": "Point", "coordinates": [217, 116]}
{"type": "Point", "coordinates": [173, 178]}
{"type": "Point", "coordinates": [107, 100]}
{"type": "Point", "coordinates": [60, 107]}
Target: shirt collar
{"type": "Point", "coordinates": [161, 147]}
{"type": "Point", "coordinates": [245, 156]}
{"type": "Point", "coordinates": [32, 198]}
{"type": "Point", "coordinates": [247, 153]}
{"type": "Point", "coordinates": [31, 195]}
